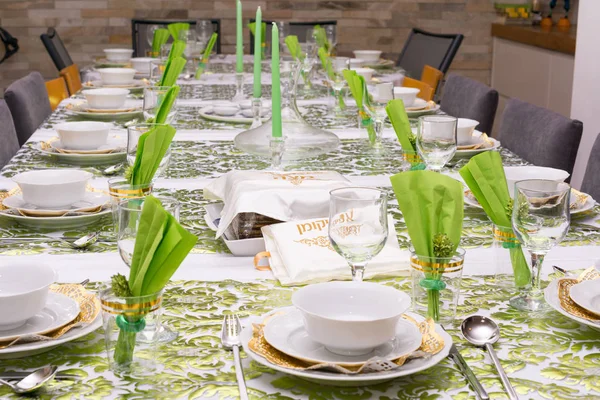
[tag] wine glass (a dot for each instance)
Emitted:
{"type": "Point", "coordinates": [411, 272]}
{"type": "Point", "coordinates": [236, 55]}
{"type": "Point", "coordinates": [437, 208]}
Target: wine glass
{"type": "Point", "coordinates": [384, 92]}
{"type": "Point", "coordinates": [129, 213]}
{"type": "Point", "coordinates": [133, 136]}
{"type": "Point", "coordinates": [157, 68]}
{"type": "Point", "coordinates": [204, 29]}
{"type": "Point", "coordinates": [540, 220]}
{"type": "Point", "coordinates": [153, 98]}
{"type": "Point", "coordinates": [331, 34]}
{"type": "Point", "coordinates": [358, 225]}
{"type": "Point", "coordinates": [436, 140]}
{"type": "Point", "coordinates": [335, 78]}
{"type": "Point", "coordinates": [150, 33]}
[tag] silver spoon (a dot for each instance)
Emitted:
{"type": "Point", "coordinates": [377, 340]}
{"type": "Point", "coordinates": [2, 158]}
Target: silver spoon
{"type": "Point", "coordinates": [113, 169]}
{"type": "Point", "coordinates": [33, 381]}
{"type": "Point", "coordinates": [78, 244]}
{"type": "Point", "coordinates": [484, 332]}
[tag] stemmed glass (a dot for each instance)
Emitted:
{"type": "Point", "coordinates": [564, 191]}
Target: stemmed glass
{"type": "Point", "coordinates": [337, 82]}
{"type": "Point", "coordinates": [129, 214]}
{"type": "Point", "coordinates": [540, 220]}
{"type": "Point", "coordinates": [153, 98]}
{"type": "Point", "coordinates": [150, 33]}
{"type": "Point", "coordinates": [331, 33]}
{"type": "Point", "coordinates": [382, 95]}
{"type": "Point", "coordinates": [358, 227]}
{"type": "Point", "coordinates": [436, 140]}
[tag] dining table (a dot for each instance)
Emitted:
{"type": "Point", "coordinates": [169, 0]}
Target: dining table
{"type": "Point", "coordinates": [546, 355]}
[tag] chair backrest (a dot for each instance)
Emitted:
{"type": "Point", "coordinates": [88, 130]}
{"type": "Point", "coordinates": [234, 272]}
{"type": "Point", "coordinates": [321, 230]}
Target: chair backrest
{"type": "Point", "coordinates": [540, 136]}
{"type": "Point", "coordinates": [432, 77]}
{"type": "Point", "coordinates": [27, 99]}
{"type": "Point", "coordinates": [426, 91]}
{"type": "Point", "coordinates": [425, 48]}
{"type": "Point", "coordinates": [591, 179]}
{"type": "Point", "coordinates": [299, 29]}
{"type": "Point", "coordinates": [57, 91]}
{"type": "Point", "coordinates": [8, 135]}
{"type": "Point", "coordinates": [141, 28]}
{"type": "Point", "coordinates": [467, 98]}
{"type": "Point", "coordinates": [56, 48]}
{"type": "Point", "coordinates": [72, 78]}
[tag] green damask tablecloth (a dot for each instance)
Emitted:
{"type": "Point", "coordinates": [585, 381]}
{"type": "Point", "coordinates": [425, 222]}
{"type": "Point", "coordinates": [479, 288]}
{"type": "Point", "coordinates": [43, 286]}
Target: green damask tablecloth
{"type": "Point", "coordinates": [546, 356]}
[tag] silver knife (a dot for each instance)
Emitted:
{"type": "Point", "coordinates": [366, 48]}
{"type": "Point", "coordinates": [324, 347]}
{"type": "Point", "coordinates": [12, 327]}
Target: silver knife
{"type": "Point", "coordinates": [467, 372]}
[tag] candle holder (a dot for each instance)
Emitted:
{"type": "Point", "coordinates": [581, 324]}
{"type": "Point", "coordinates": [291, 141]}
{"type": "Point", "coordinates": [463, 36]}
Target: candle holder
{"type": "Point", "coordinates": [256, 113]}
{"type": "Point", "coordinates": [239, 88]}
{"type": "Point", "coordinates": [277, 147]}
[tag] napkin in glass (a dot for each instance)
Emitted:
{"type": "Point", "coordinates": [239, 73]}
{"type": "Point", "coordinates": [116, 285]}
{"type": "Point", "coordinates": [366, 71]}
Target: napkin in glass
{"type": "Point", "coordinates": [177, 49]}
{"type": "Point", "coordinates": [397, 113]}
{"type": "Point", "coordinates": [321, 38]}
{"type": "Point", "coordinates": [432, 205]}
{"type": "Point", "coordinates": [358, 88]}
{"type": "Point", "coordinates": [301, 253]}
{"type": "Point", "coordinates": [176, 28]}
{"type": "Point", "coordinates": [206, 56]}
{"type": "Point", "coordinates": [263, 44]}
{"type": "Point", "coordinates": [161, 35]}
{"type": "Point", "coordinates": [283, 196]}
{"type": "Point", "coordinates": [293, 46]}
{"type": "Point", "coordinates": [484, 175]}
{"type": "Point", "coordinates": [173, 69]}
{"type": "Point", "coordinates": [166, 103]}
{"type": "Point", "coordinates": [152, 147]}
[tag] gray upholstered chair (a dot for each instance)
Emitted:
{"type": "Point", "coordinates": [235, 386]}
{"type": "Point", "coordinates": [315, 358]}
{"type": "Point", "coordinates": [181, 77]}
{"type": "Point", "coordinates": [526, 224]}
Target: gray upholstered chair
{"type": "Point", "coordinates": [591, 179]}
{"type": "Point", "coordinates": [9, 144]}
{"type": "Point", "coordinates": [28, 101]}
{"type": "Point", "coordinates": [466, 98]}
{"type": "Point", "coordinates": [539, 135]}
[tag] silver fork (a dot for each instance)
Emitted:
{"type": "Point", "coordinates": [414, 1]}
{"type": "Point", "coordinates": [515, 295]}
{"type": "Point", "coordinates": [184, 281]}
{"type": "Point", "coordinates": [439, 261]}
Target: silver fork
{"type": "Point", "coordinates": [230, 338]}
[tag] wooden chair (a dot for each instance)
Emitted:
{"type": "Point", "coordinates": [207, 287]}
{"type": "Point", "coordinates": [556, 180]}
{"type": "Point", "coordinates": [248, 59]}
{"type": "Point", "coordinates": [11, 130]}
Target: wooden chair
{"type": "Point", "coordinates": [426, 91]}
{"type": "Point", "coordinates": [432, 77]}
{"type": "Point", "coordinates": [71, 75]}
{"type": "Point", "coordinates": [57, 91]}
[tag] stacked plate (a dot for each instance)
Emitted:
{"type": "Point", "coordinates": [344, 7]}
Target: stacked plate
{"type": "Point", "coordinates": [422, 107]}
{"type": "Point", "coordinates": [344, 326]}
{"type": "Point", "coordinates": [478, 143]}
{"type": "Point", "coordinates": [227, 111]}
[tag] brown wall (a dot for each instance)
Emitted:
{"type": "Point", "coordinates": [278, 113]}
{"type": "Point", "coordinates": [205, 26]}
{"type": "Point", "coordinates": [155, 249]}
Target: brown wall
{"type": "Point", "coordinates": [88, 26]}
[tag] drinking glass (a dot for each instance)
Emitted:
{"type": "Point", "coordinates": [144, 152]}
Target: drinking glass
{"type": "Point", "coordinates": [129, 213]}
{"type": "Point", "coordinates": [133, 136]}
{"type": "Point", "coordinates": [540, 220]}
{"type": "Point", "coordinates": [337, 82]}
{"type": "Point", "coordinates": [157, 67]}
{"type": "Point", "coordinates": [284, 31]}
{"type": "Point", "coordinates": [358, 226]}
{"type": "Point", "coordinates": [204, 29]}
{"type": "Point", "coordinates": [436, 140]}
{"type": "Point", "coordinates": [150, 33]}
{"type": "Point", "coordinates": [331, 33]}
{"type": "Point", "coordinates": [165, 49]}
{"type": "Point", "coordinates": [382, 95]}
{"type": "Point", "coordinates": [153, 98]}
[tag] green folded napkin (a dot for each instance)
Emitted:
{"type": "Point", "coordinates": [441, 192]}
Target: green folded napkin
{"type": "Point", "coordinates": [172, 71]}
{"type": "Point", "coordinates": [399, 119]}
{"type": "Point", "coordinates": [326, 62]}
{"type": "Point", "coordinates": [263, 39]}
{"type": "Point", "coordinates": [432, 207]}
{"type": "Point", "coordinates": [161, 35]}
{"type": "Point", "coordinates": [177, 27]}
{"type": "Point", "coordinates": [165, 104]}
{"type": "Point", "coordinates": [151, 149]}
{"type": "Point", "coordinates": [177, 50]}
{"type": "Point", "coordinates": [161, 245]}
{"type": "Point", "coordinates": [321, 38]}
{"type": "Point", "coordinates": [484, 175]}
{"type": "Point", "coordinates": [360, 93]}
{"type": "Point", "coordinates": [293, 46]}
{"type": "Point", "coordinates": [206, 56]}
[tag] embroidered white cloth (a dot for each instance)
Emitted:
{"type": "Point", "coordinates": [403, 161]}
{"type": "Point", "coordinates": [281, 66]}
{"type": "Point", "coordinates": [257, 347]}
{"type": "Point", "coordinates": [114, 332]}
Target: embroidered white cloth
{"type": "Point", "coordinates": [284, 196]}
{"type": "Point", "coordinates": [300, 253]}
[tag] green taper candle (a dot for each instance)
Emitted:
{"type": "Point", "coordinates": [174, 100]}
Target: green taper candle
{"type": "Point", "coordinates": [275, 83]}
{"type": "Point", "coordinates": [239, 40]}
{"type": "Point", "coordinates": [257, 53]}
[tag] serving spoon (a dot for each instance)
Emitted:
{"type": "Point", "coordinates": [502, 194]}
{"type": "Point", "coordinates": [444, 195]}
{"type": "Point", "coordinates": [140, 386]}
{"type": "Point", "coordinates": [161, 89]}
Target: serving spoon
{"type": "Point", "coordinates": [484, 332]}
{"type": "Point", "coordinates": [33, 381]}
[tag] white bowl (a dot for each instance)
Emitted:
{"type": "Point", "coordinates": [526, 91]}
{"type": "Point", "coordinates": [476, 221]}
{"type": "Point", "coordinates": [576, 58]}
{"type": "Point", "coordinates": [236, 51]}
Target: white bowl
{"type": "Point", "coordinates": [142, 64]}
{"type": "Point", "coordinates": [366, 72]}
{"type": "Point", "coordinates": [83, 135]}
{"type": "Point", "coordinates": [370, 56]}
{"type": "Point", "coordinates": [464, 130]}
{"type": "Point", "coordinates": [357, 62]}
{"type": "Point", "coordinates": [340, 62]}
{"type": "Point", "coordinates": [52, 188]}
{"type": "Point", "coordinates": [406, 94]}
{"type": "Point", "coordinates": [106, 98]}
{"type": "Point", "coordinates": [516, 174]}
{"type": "Point", "coordinates": [117, 76]}
{"type": "Point", "coordinates": [118, 54]}
{"type": "Point", "coordinates": [23, 292]}
{"type": "Point", "coordinates": [350, 318]}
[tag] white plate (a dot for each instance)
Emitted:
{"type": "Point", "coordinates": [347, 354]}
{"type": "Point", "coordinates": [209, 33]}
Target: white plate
{"type": "Point", "coordinates": [207, 112]}
{"type": "Point", "coordinates": [115, 141]}
{"type": "Point", "coordinates": [111, 147]}
{"type": "Point", "coordinates": [81, 110]}
{"type": "Point", "coordinates": [287, 334]}
{"type": "Point", "coordinates": [331, 378]}
{"type": "Point", "coordinates": [31, 349]}
{"type": "Point", "coordinates": [418, 105]}
{"type": "Point", "coordinates": [137, 84]}
{"type": "Point", "coordinates": [239, 248]}
{"type": "Point", "coordinates": [57, 222]}
{"type": "Point", "coordinates": [90, 201]}
{"type": "Point", "coordinates": [418, 113]}
{"type": "Point", "coordinates": [473, 152]}
{"type": "Point", "coordinates": [551, 296]}
{"type": "Point", "coordinates": [587, 295]}
{"type": "Point", "coordinates": [59, 311]}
